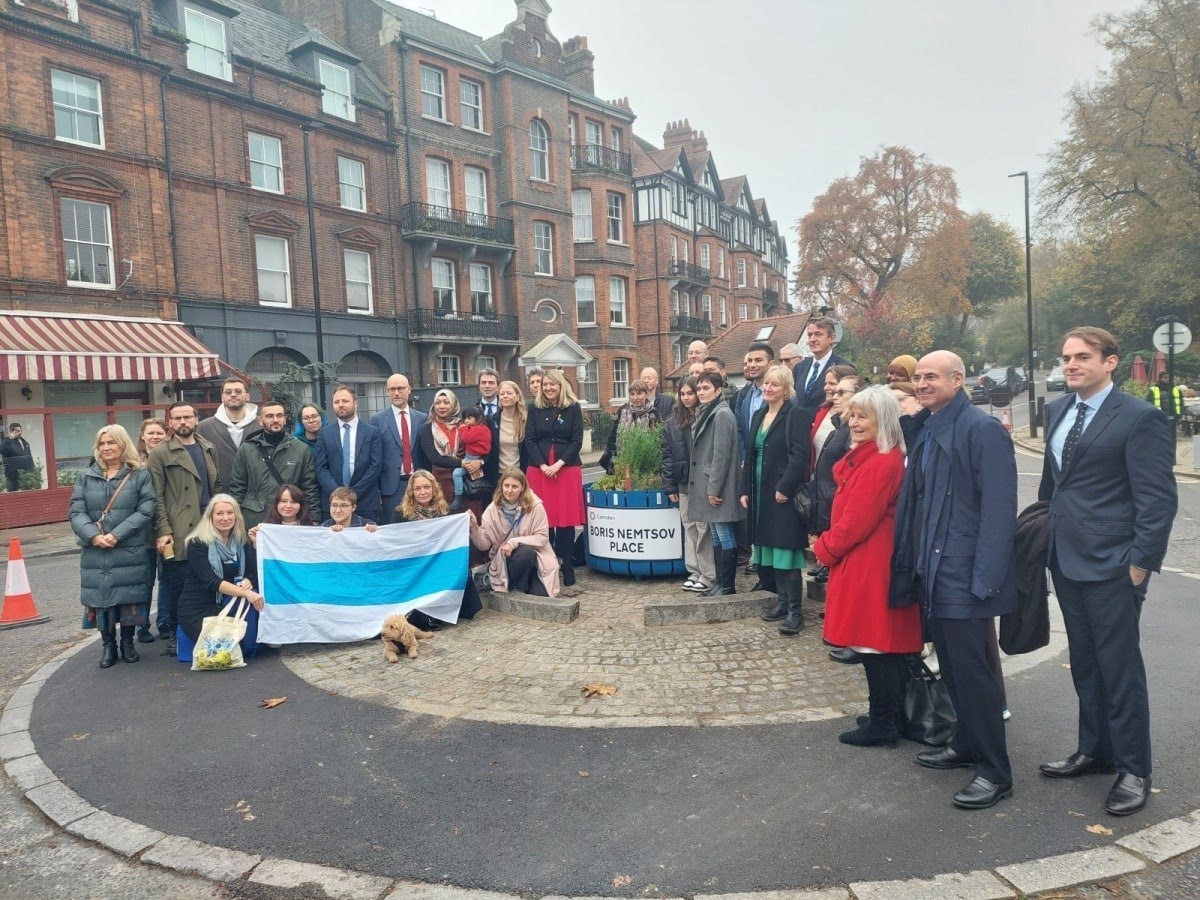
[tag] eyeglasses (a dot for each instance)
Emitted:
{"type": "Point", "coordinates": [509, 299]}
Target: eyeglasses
{"type": "Point", "coordinates": [341, 506]}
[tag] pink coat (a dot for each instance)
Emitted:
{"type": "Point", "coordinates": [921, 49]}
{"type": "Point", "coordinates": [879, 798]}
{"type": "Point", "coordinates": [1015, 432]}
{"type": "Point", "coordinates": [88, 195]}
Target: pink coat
{"type": "Point", "coordinates": [533, 529]}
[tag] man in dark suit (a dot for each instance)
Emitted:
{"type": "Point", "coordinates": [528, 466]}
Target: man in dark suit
{"type": "Point", "coordinates": [398, 427]}
{"type": "Point", "coordinates": [350, 454]}
{"type": "Point", "coordinates": [809, 374]}
{"type": "Point", "coordinates": [488, 382]}
{"type": "Point", "coordinates": [955, 523]}
{"type": "Point", "coordinates": [749, 398]}
{"type": "Point", "coordinates": [1109, 477]}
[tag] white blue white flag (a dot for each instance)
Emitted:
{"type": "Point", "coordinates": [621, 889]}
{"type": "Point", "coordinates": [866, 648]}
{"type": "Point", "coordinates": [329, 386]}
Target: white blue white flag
{"type": "Point", "coordinates": [324, 586]}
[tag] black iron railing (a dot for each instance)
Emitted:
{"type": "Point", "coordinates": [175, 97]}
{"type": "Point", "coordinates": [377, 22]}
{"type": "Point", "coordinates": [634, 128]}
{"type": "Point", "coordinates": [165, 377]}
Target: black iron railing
{"type": "Point", "coordinates": [691, 325]}
{"type": "Point", "coordinates": [597, 156]}
{"type": "Point", "coordinates": [425, 218]}
{"type": "Point", "coordinates": [689, 271]}
{"type": "Point", "coordinates": [433, 323]}
{"type": "Point", "coordinates": [770, 298]}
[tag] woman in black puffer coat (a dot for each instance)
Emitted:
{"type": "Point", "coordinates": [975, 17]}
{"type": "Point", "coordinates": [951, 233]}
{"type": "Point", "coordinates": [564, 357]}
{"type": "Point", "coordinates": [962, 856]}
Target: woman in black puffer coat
{"type": "Point", "coordinates": [112, 567]}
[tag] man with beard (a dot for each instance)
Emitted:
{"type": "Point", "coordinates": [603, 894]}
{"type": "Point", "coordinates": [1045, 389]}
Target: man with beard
{"type": "Point", "coordinates": [270, 458]}
{"type": "Point", "coordinates": [350, 454]}
{"type": "Point", "coordinates": [233, 422]}
{"type": "Point", "coordinates": [184, 471]}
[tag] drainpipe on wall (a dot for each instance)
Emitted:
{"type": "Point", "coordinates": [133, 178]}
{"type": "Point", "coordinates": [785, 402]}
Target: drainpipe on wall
{"type": "Point", "coordinates": [401, 44]}
{"type": "Point", "coordinates": [307, 128]}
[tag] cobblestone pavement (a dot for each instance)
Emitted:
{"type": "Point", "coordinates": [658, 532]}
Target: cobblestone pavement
{"type": "Point", "coordinates": [501, 668]}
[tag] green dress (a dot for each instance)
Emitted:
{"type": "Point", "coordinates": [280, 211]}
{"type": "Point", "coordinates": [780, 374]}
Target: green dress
{"type": "Point", "coordinates": [771, 557]}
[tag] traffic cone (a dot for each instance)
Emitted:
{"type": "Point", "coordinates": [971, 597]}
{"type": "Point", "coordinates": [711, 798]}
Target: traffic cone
{"type": "Point", "coordinates": [1006, 421]}
{"type": "Point", "coordinates": [18, 607]}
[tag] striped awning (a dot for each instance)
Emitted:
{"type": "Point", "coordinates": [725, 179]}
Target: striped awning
{"type": "Point", "coordinates": [37, 346]}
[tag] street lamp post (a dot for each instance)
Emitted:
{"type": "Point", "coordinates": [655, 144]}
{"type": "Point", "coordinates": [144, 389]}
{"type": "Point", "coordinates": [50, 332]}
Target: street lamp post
{"type": "Point", "coordinates": [1033, 424]}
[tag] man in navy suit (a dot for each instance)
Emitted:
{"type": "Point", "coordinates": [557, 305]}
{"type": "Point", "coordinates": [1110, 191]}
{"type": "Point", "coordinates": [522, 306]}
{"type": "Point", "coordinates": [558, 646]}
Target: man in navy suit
{"type": "Point", "coordinates": [955, 522]}
{"type": "Point", "coordinates": [809, 374]}
{"type": "Point", "coordinates": [350, 454]}
{"type": "Point", "coordinates": [398, 426]}
{"type": "Point", "coordinates": [1109, 476]}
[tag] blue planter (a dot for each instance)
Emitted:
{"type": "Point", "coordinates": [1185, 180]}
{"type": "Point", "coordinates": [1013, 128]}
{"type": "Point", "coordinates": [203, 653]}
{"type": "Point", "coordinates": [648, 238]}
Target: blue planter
{"type": "Point", "coordinates": [635, 533]}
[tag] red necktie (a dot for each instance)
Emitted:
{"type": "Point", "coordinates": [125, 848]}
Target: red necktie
{"type": "Point", "coordinates": [405, 443]}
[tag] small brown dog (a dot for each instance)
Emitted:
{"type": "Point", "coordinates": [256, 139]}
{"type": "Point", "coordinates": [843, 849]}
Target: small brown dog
{"type": "Point", "coordinates": [400, 634]}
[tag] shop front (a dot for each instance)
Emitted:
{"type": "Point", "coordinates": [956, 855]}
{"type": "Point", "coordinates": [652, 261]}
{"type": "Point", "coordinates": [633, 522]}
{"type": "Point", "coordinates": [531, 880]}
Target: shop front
{"type": "Point", "coordinates": [63, 377]}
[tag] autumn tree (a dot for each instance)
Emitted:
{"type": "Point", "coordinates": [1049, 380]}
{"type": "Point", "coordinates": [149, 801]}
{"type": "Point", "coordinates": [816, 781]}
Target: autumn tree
{"type": "Point", "coordinates": [1126, 179]}
{"type": "Point", "coordinates": [865, 230]}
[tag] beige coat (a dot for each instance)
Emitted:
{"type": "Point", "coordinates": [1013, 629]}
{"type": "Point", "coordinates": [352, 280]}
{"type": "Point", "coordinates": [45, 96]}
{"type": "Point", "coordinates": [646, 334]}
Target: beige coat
{"type": "Point", "coordinates": [533, 529]}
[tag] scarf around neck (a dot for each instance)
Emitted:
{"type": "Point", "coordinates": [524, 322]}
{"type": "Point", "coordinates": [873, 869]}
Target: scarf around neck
{"type": "Point", "coordinates": [421, 513]}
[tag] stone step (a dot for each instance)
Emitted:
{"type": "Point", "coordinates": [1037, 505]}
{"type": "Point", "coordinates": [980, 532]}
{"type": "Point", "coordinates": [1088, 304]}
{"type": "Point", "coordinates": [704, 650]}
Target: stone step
{"type": "Point", "coordinates": [560, 610]}
{"type": "Point", "coordinates": [697, 610]}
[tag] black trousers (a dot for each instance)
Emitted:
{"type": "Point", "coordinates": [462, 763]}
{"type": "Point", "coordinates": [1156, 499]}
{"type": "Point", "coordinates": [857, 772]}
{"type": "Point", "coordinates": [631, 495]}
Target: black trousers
{"type": "Point", "coordinates": [962, 651]}
{"type": "Point", "coordinates": [523, 572]}
{"type": "Point", "coordinates": [170, 586]}
{"type": "Point", "coordinates": [1102, 619]}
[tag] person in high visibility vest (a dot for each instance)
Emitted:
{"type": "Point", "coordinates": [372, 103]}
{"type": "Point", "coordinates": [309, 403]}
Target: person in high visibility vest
{"type": "Point", "coordinates": [1168, 399]}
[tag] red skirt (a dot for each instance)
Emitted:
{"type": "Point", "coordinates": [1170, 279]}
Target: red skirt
{"type": "Point", "coordinates": [562, 496]}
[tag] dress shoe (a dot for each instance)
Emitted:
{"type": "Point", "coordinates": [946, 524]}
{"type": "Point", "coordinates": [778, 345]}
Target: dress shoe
{"type": "Point", "coordinates": [1129, 794]}
{"type": "Point", "coordinates": [143, 634]}
{"type": "Point", "coordinates": [943, 758]}
{"type": "Point", "coordinates": [981, 794]}
{"type": "Point", "coordinates": [822, 577]}
{"type": "Point", "coordinates": [1075, 765]}
{"type": "Point", "coordinates": [751, 569]}
{"type": "Point", "coordinates": [845, 655]}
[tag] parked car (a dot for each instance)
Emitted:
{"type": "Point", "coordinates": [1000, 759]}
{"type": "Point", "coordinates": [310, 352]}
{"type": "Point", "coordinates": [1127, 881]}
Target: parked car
{"type": "Point", "coordinates": [994, 378]}
{"type": "Point", "coordinates": [1056, 381]}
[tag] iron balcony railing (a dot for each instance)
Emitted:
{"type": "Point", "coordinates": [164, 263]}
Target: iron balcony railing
{"type": "Point", "coordinates": [689, 272]}
{"type": "Point", "coordinates": [426, 218]}
{"type": "Point", "coordinates": [770, 298]}
{"type": "Point", "coordinates": [691, 325]}
{"type": "Point", "coordinates": [484, 329]}
{"type": "Point", "coordinates": [597, 156]}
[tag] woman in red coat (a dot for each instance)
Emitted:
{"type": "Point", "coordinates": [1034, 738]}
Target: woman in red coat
{"type": "Point", "coordinates": [858, 550]}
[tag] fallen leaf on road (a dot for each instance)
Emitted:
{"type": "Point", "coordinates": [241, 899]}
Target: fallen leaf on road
{"type": "Point", "coordinates": [622, 881]}
{"type": "Point", "coordinates": [273, 702]}
{"type": "Point", "coordinates": [596, 689]}
{"type": "Point", "coordinates": [1066, 665]}
{"type": "Point", "coordinates": [583, 773]}
{"type": "Point", "coordinates": [79, 737]}
{"type": "Point", "coordinates": [1098, 829]}
{"type": "Point", "coordinates": [1156, 790]}
{"type": "Point", "coordinates": [456, 830]}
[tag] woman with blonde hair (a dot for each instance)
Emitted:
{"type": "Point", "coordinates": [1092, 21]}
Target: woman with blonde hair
{"type": "Point", "coordinates": [439, 439]}
{"type": "Point", "coordinates": [516, 535]}
{"type": "Point", "coordinates": [111, 513]}
{"type": "Point", "coordinates": [424, 499]}
{"type": "Point", "coordinates": [553, 440]}
{"type": "Point", "coordinates": [509, 447]}
{"type": "Point", "coordinates": [857, 547]}
{"type": "Point", "coordinates": [220, 564]}
{"type": "Point", "coordinates": [774, 472]}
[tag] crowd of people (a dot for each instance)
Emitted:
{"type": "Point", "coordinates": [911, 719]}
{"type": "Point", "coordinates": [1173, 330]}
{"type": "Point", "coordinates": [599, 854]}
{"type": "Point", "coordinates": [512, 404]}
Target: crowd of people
{"type": "Point", "coordinates": [905, 492]}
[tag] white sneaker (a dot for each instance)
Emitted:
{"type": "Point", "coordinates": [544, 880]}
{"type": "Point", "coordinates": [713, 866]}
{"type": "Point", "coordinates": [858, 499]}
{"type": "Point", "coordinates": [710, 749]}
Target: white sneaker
{"type": "Point", "coordinates": [698, 586]}
{"type": "Point", "coordinates": [689, 585]}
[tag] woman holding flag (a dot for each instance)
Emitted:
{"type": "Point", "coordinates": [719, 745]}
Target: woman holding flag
{"type": "Point", "coordinates": [220, 561]}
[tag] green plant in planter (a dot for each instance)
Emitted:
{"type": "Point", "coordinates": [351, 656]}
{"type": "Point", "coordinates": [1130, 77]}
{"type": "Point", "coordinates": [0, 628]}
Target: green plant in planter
{"type": "Point", "coordinates": [638, 463]}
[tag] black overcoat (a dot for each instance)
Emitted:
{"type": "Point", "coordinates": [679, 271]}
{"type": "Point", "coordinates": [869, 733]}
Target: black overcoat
{"type": "Point", "coordinates": [785, 455]}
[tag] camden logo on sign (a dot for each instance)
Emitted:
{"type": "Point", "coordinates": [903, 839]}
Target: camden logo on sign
{"type": "Point", "coordinates": [635, 534]}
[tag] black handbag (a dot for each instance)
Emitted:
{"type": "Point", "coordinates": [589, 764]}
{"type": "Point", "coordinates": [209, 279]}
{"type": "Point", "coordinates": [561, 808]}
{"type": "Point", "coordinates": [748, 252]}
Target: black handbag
{"type": "Point", "coordinates": [929, 716]}
{"type": "Point", "coordinates": [480, 488]}
{"type": "Point", "coordinates": [803, 501]}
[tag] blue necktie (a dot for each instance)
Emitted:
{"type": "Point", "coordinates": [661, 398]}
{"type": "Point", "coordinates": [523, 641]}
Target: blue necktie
{"type": "Point", "coordinates": [1073, 435]}
{"type": "Point", "coordinates": [345, 456]}
{"type": "Point", "coordinates": [812, 377]}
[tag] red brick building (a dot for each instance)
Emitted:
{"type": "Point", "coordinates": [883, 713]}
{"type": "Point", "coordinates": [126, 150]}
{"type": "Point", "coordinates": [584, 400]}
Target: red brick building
{"type": "Point", "coordinates": [708, 254]}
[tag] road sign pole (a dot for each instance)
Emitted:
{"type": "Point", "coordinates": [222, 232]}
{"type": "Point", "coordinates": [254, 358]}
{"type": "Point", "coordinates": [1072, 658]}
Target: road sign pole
{"type": "Point", "coordinates": [1171, 320]}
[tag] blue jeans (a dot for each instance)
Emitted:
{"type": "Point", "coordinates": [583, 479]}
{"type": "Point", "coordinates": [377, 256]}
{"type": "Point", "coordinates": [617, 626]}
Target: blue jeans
{"type": "Point", "coordinates": [460, 477]}
{"type": "Point", "coordinates": [723, 536]}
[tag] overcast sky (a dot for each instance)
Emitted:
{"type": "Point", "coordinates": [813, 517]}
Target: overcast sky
{"type": "Point", "coordinates": [792, 93]}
